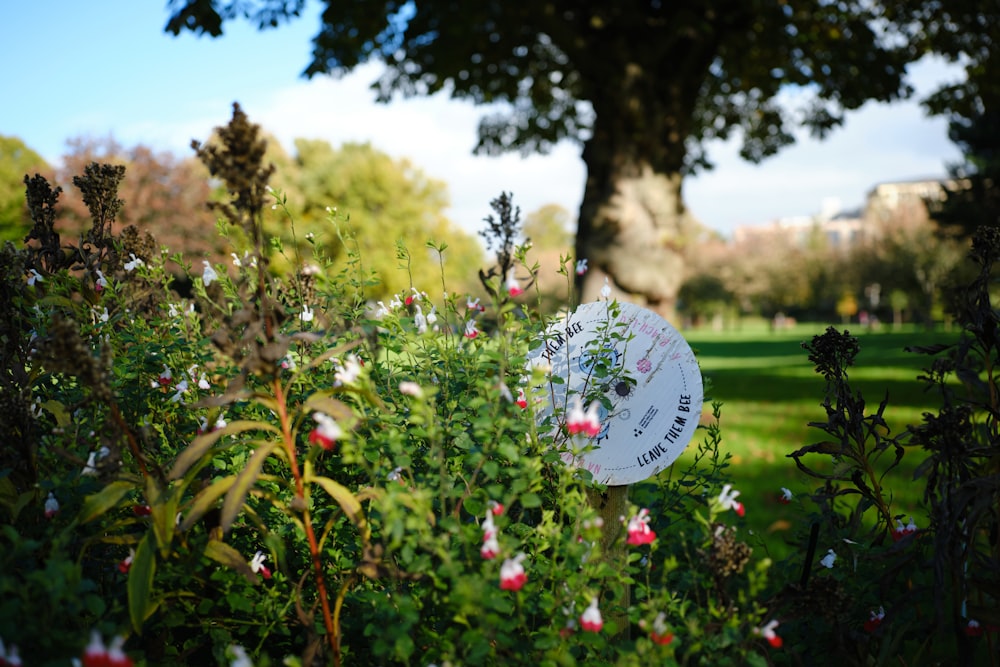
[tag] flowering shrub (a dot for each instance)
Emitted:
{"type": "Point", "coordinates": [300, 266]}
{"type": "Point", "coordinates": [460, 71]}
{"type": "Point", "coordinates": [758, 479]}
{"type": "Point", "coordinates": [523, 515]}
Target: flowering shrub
{"type": "Point", "coordinates": [272, 468]}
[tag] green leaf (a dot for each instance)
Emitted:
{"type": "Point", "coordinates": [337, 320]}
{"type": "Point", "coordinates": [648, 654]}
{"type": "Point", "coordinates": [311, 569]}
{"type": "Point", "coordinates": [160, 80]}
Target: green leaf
{"type": "Point", "coordinates": [203, 443]}
{"type": "Point", "coordinates": [140, 584]}
{"type": "Point", "coordinates": [347, 500]}
{"type": "Point", "coordinates": [222, 553]}
{"type": "Point", "coordinates": [205, 499]}
{"type": "Point", "coordinates": [98, 503]}
{"type": "Point", "coordinates": [247, 477]}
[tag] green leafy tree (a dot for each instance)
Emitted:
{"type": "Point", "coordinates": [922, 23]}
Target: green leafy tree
{"type": "Point", "coordinates": [16, 162]}
{"type": "Point", "coordinates": [392, 211]}
{"type": "Point", "coordinates": [642, 86]}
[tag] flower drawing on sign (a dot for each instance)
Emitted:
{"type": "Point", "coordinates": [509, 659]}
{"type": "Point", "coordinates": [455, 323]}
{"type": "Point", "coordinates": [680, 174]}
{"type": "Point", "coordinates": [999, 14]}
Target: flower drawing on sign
{"type": "Point", "coordinates": [644, 365]}
{"type": "Point", "coordinates": [727, 500]}
{"type": "Point", "coordinates": [591, 620]}
{"type": "Point", "coordinates": [638, 529]}
{"type": "Point", "coordinates": [512, 575]}
{"type": "Point", "coordinates": [578, 421]}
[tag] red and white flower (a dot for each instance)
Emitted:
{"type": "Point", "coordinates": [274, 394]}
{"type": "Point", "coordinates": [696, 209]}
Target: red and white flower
{"type": "Point", "coordinates": [578, 421]}
{"type": "Point", "coordinates": [639, 531]}
{"type": "Point", "coordinates": [513, 286]}
{"type": "Point", "coordinates": [96, 654]}
{"type": "Point", "coordinates": [902, 531]}
{"type": "Point", "coordinates": [590, 619]}
{"type": "Point", "coordinates": [470, 329]}
{"type": "Point", "coordinates": [125, 564]}
{"type": "Point", "coordinates": [9, 658]}
{"type": "Point", "coordinates": [101, 282]}
{"type": "Point", "coordinates": [873, 623]}
{"type": "Point", "coordinates": [522, 399]}
{"type": "Point", "coordinates": [491, 546]}
{"type": "Point", "coordinates": [496, 508]}
{"type": "Point", "coordinates": [660, 634]}
{"type": "Point", "coordinates": [581, 266]}
{"type": "Point", "coordinates": [512, 575]}
{"type": "Point", "coordinates": [258, 567]}
{"type": "Point", "coordinates": [51, 506]}
{"type": "Point", "coordinates": [727, 500]}
{"type": "Point", "coordinates": [768, 633]}
{"type": "Point", "coordinates": [785, 497]}
{"type": "Point", "coordinates": [326, 433]}
{"type": "Point", "coordinates": [474, 305]}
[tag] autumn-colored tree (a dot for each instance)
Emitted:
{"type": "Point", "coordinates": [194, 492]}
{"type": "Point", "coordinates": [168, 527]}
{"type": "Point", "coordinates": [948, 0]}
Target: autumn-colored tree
{"type": "Point", "coordinates": [641, 85]}
{"type": "Point", "coordinates": [16, 162]}
{"type": "Point", "coordinates": [163, 195]}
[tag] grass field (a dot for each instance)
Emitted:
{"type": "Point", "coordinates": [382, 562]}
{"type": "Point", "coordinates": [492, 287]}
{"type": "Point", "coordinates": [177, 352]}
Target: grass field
{"type": "Point", "coordinates": [770, 392]}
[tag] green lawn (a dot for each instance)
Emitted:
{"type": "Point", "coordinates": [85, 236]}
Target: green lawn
{"type": "Point", "coordinates": [770, 392]}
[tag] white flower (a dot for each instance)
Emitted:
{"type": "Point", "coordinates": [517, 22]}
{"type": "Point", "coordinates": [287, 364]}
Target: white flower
{"type": "Point", "coordinates": [34, 277]}
{"type": "Point", "coordinates": [181, 389]}
{"type": "Point", "coordinates": [581, 266]}
{"type": "Point", "coordinates": [411, 389]}
{"type": "Point", "coordinates": [419, 321]}
{"type": "Point", "coordinates": [239, 657]}
{"type": "Point", "coordinates": [432, 316]}
{"type": "Point", "coordinates": [134, 263]}
{"type": "Point", "coordinates": [606, 290]}
{"type": "Point", "coordinates": [829, 559]}
{"type": "Point", "coordinates": [91, 468]}
{"type": "Point", "coordinates": [350, 370]}
{"type": "Point", "coordinates": [236, 259]}
{"type": "Point", "coordinates": [381, 311]}
{"type": "Point", "coordinates": [307, 314]}
{"type": "Point", "coordinates": [203, 382]}
{"type": "Point", "coordinates": [208, 275]}
{"type": "Point", "coordinates": [101, 281]}
{"type": "Point", "coordinates": [727, 499]}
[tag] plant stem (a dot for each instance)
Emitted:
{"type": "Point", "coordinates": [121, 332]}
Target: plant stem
{"type": "Point", "coordinates": [293, 462]}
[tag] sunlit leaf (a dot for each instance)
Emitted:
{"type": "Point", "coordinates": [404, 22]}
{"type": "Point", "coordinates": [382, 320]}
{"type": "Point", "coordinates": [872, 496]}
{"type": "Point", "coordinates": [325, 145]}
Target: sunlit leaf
{"type": "Point", "coordinates": [98, 503]}
{"type": "Point", "coordinates": [222, 553]}
{"type": "Point", "coordinates": [204, 442]}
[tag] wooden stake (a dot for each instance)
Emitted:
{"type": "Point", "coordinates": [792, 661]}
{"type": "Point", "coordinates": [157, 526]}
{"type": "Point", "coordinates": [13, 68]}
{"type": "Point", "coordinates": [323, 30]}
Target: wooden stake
{"type": "Point", "coordinates": [612, 506]}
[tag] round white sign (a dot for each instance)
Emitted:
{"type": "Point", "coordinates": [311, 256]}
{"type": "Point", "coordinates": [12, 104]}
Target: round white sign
{"type": "Point", "coordinates": [634, 361]}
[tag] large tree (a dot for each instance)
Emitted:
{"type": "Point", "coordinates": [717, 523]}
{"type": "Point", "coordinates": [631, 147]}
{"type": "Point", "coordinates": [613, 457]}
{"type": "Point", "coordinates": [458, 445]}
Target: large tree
{"type": "Point", "coordinates": [16, 161]}
{"type": "Point", "coordinates": [641, 84]}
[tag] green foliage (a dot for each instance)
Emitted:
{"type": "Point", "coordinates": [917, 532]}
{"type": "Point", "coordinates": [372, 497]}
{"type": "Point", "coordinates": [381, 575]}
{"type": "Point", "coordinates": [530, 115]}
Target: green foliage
{"type": "Point", "coordinates": [16, 160]}
{"type": "Point", "coordinates": [271, 465]}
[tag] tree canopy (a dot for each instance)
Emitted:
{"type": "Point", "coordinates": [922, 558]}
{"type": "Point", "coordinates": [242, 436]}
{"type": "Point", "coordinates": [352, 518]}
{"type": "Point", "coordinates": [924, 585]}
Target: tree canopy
{"type": "Point", "coordinates": [642, 85]}
{"type": "Point", "coordinates": [16, 161]}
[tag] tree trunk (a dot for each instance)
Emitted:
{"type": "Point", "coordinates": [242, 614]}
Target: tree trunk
{"type": "Point", "coordinates": [633, 225]}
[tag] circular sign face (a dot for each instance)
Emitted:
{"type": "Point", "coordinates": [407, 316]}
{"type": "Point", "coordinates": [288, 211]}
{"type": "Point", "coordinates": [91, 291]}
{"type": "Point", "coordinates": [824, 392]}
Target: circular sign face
{"type": "Point", "coordinates": [641, 376]}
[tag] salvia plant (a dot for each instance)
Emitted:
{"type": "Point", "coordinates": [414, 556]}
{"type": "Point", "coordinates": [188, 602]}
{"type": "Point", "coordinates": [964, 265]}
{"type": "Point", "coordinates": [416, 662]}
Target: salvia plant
{"type": "Point", "coordinates": [268, 468]}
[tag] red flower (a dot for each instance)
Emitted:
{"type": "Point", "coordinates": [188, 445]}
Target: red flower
{"type": "Point", "coordinates": [141, 510]}
{"type": "Point", "coordinates": [768, 633]}
{"type": "Point", "coordinates": [258, 567]}
{"type": "Point", "coordinates": [470, 329]}
{"type": "Point", "coordinates": [973, 629]}
{"type": "Point", "coordinates": [902, 531]}
{"type": "Point", "coordinates": [513, 287]}
{"type": "Point", "coordinates": [785, 497]}
{"type": "Point", "coordinates": [660, 634]}
{"type": "Point", "coordinates": [496, 508]}
{"type": "Point", "coordinates": [522, 400]}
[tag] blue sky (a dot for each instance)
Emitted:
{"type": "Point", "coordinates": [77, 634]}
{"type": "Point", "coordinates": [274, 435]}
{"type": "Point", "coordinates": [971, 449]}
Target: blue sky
{"type": "Point", "coordinates": [106, 67]}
